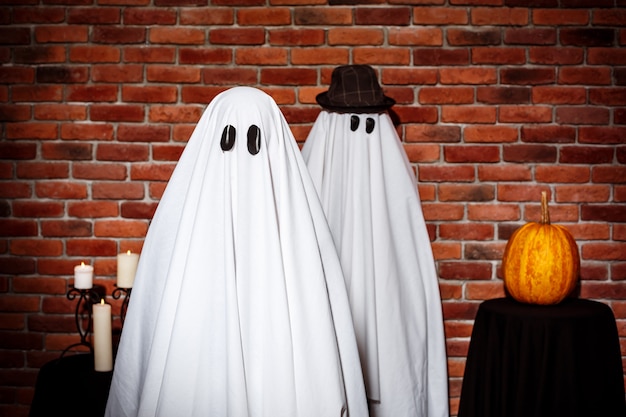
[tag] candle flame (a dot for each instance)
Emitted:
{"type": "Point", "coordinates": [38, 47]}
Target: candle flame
{"type": "Point", "coordinates": [128, 253]}
{"type": "Point", "coordinates": [82, 264]}
{"type": "Point", "coordinates": [102, 301]}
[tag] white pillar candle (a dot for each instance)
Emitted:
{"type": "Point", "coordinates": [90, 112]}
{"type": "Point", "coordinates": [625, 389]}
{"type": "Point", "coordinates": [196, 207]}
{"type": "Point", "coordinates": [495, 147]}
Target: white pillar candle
{"type": "Point", "coordinates": [83, 276]}
{"type": "Point", "coordinates": [102, 343]}
{"type": "Point", "coordinates": [126, 269]}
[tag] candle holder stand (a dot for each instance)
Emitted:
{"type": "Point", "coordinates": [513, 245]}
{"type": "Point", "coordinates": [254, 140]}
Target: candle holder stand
{"type": "Point", "coordinates": [86, 298]}
{"type": "Point", "coordinates": [117, 294]}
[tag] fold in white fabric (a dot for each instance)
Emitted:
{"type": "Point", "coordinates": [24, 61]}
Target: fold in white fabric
{"type": "Point", "coordinates": [239, 307]}
{"type": "Point", "coordinates": [369, 194]}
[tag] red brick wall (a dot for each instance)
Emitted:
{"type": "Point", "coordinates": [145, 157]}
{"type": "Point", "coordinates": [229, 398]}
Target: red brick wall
{"type": "Point", "coordinates": [497, 99]}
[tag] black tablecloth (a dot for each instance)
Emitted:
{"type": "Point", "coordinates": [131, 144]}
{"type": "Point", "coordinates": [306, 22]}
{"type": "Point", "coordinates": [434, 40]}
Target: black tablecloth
{"type": "Point", "coordinates": [69, 387]}
{"type": "Point", "coordinates": [534, 361]}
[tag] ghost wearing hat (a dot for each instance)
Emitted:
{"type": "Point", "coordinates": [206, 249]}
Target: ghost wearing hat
{"type": "Point", "coordinates": [239, 307]}
{"type": "Point", "coordinates": [369, 194]}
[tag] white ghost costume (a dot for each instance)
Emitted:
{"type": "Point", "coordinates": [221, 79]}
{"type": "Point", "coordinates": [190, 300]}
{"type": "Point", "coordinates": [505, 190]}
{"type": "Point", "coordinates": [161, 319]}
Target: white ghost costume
{"type": "Point", "coordinates": [239, 307]}
{"type": "Point", "coordinates": [369, 194]}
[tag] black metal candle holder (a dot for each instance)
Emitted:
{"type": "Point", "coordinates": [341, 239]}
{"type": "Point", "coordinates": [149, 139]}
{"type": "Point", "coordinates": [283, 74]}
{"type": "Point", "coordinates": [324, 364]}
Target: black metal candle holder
{"type": "Point", "coordinates": [86, 298]}
{"type": "Point", "coordinates": [117, 294]}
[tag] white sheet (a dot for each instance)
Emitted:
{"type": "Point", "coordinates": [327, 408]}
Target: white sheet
{"type": "Point", "coordinates": [239, 306]}
{"type": "Point", "coordinates": [369, 194]}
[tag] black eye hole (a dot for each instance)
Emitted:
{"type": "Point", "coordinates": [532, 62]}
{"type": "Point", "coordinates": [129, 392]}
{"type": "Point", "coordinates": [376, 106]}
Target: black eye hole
{"type": "Point", "coordinates": [354, 123]}
{"type": "Point", "coordinates": [228, 138]}
{"type": "Point", "coordinates": [369, 125]}
{"type": "Point", "coordinates": [254, 140]}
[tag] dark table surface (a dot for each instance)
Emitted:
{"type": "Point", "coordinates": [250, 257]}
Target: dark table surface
{"type": "Point", "coordinates": [69, 386]}
{"type": "Point", "coordinates": [533, 361]}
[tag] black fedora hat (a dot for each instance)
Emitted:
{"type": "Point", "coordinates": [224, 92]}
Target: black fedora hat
{"type": "Point", "coordinates": [354, 89]}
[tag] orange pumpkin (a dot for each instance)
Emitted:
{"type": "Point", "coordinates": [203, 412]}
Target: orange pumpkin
{"type": "Point", "coordinates": [541, 261]}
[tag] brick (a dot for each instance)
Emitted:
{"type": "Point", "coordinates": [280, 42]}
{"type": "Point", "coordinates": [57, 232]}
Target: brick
{"type": "Point", "coordinates": [447, 212]}
{"type": "Point", "coordinates": [490, 134]}
{"type": "Point", "coordinates": [466, 231]}
{"type": "Point", "coordinates": [120, 228]}
{"type": "Point", "coordinates": [189, 94]}
{"type": "Point", "coordinates": [530, 36]}
{"type": "Point", "coordinates": [38, 14]}
{"type": "Point", "coordinates": [67, 151]}
{"type": "Point", "coordinates": [494, 213]}
{"type": "Point", "coordinates": [261, 56]}
{"type": "Point", "coordinates": [138, 210]}
{"type": "Point", "coordinates": [13, 113]}
{"type": "Point", "coordinates": [422, 153]}
{"type": "Point", "coordinates": [468, 76]}
{"type": "Point", "coordinates": [585, 155]}
{"type": "Point", "coordinates": [175, 114]}
{"type": "Point", "coordinates": [41, 170]}
{"type": "Point", "coordinates": [52, 323]}
{"type": "Point", "coordinates": [147, 17]}
{"type": "Point", "coordinates": [582, 194]}
{"type": "Point", "coordinates": [440, 57]}
{"type": "Point", "coordinates": [179, 3]}
{"type": "Point", "coordinates": [94, 54]}
{"type": "Point", "coordinates": [503, 95]}
{"type": "Point", "coordinates": [414, 37]}
{"type": "Point", "coordinates": [605, 213]}
{"type": "Point", "coordinates": [151, 172]}
{"type": "Point", "coordinates": [601, 291]}
{"type": "Point", "coordinates": [458, 37]}
{"type": "Point", "coordinates": [609, 174]}
{"type": "Point", "coordinates": [15, 36]}
{"type": "Point", "coordinates": [93, 171]}
{"type": "Point", "coordinates": [529, 153]}
{"type": "Point", "coordinates": [63, 74]}
{"type": "Point", "coordinates": [460, 173]}
{"type": "Point", "coordinates": [374, 56]}
{"type": "Point", "coordinates": [264, 16]}
{"type": "Point", "coordinates": [465, 270]}
{"type": "Point", "coordinates": [525, 114]}
{"type": "Point", "coordinates": [587, 36]}
{"type": "Point", "coordinates": [354, 36]}
{"type": "Point", "coordinates": [562, 174]}
{"type": "Point", "coordinates": [38, 209]}
{"type": "Point", "coordinates": [149, 94]}
{"type": "Point", "coordinates": [35, 93]}
{"type": "Point", "coordinates": [39, 130]}
{"type": "Point", "coordinates": [150, 54]}
{"type": "Point", "coordinates": [320, 56]}
{"type": "Point", "coordinates": [65, 228]}
{"type": "Point", "coordinates": [17, 266]}
{"type": "Point", "coordinates": [60, 112]}
{"type": "Point", "coordinates": [289, 76]}
{"type": "Point", "coordinates": [116, 190]}
{"type": "Point", "coordinates": [440, 16]}
{"type": "Point", "coordinates": [606, 56]}
{"type": "Point", "coordinates": [445, 95]}
{"type": "Point", "coordinates": [118, 35]}
{"type": "Point", "coordinates": [391, 16]}
{"type": "Point", "coordinates": [409, 76]}
{"type": "Point", "coordinates": [429, 133]}
{"type": "Point", "coordinates": [547, 55]}
{"type": "Point", "coordinates": [176, 35]}
{"type": "Point", "coordinates": [39, 55]}
{"type": "Point", "coordinates": [336, 16]}
{"type": "Point", "coordinates": [559, 95]}
{"type": "Point", "coordinates": [296, 37]}
{"type": "Point", "coordinates": [607, 96]}
{"type": "Point", "coordinates": [92, 209]}
{"type": "Point", "coordinates": [17, 74]}
{"type": "Point", "coordinates": [605, 252]}
{"type": "Point", "coordinates": [560, 17]}
{"type": "Point", "coordinates": [613, 17]}
{"type": "Point", "coordinates": [584, 76]}
{"type": "Point", "coordinates": [66, 34]}
{"type": "Point", "coordinates": [122, 152]}
{"type": "Point", "coordinates": [468, 114]}
{"type": "Point", "coordinates": [128, 73]}
{"type": "Point", "coordinates": [93, 15]}
{"type": "Point", "coordinates": [520, 192]}
{"type": "Point", "coordinates": [582, 115]}
{"type": "Point", "coordinates": [466, 192]}
{"type": "Point", "coordinates": [92, 93]}
{"type": "Point", "coordinates": [548, 134]}
{"type": "Point", "coordinates": [223, 76]}
{"type": "Point", "coordinates": [117, 113]}
{"type": "Point", "coordinates": [200, 16]}
{"type": "Point", "coordinates": [206, 56]}
{"type": "Point", "coordinates": [237, 36]}
{"type": "Point", "coordinates": [60, 190]}
{"type": "Point", "coordinates": [527, 76]}
{"type": "Point", "coordinates": [495, 55]}
{"type": "Point", "coordinates": [510, 16]}
{"type": "Point", "coordinates": [417, 114]}
{"type": "Point", "coordinates": [506, 172]}
{"type": "Point", "coordinates": [14, 189]}
{"type": "Point", "coordinates": [143, 133]}
{"type": "Point", "coordinates": [15, 228]}
{"type": "Point", "coordinates": [91, 247]}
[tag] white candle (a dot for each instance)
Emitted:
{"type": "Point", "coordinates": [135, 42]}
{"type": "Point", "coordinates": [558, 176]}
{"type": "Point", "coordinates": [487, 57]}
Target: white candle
{"type": "Point", "coordinates": [83, 276]}
{"type": "Point", "coordinates": [102, 343]}
{"type": "Point", "coordinates": [126, 269]}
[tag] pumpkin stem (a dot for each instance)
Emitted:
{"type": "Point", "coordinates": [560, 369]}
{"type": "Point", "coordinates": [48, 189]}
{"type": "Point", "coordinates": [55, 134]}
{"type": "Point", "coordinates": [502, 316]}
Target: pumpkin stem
{"type": "Point", "coordinates": [545, 213]}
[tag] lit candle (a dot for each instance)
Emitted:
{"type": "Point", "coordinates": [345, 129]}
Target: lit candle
{"type": "Point", "coordinates": [126, 269]}
{"type": "Point", "coordinates": [83, 276]}
{"type": "Point", "coordinates": [102, 344]}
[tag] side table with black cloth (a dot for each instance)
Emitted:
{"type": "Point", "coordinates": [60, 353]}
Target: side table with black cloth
{"type": "Point", "coordinates": [535, 361]}
{"type": "Point", "coordinates": [70, 387]}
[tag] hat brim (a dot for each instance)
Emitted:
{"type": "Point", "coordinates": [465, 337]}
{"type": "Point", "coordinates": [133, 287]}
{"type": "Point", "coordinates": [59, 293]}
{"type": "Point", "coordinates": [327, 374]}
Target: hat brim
{"type": "Point", "coordinates": [322, 100]}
